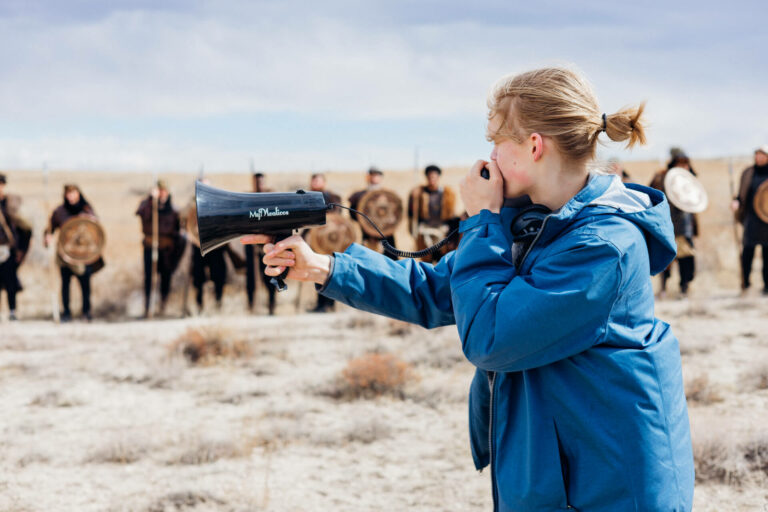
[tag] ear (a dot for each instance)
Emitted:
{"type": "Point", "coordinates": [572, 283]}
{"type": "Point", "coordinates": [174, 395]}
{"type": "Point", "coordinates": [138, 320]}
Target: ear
{"type": "Point", "coordinates": [537, 146]}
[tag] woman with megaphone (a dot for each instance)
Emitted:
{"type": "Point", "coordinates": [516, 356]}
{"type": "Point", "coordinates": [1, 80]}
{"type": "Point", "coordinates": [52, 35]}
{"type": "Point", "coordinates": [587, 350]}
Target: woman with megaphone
{"type": "Point", "coordinates": [577, 401]}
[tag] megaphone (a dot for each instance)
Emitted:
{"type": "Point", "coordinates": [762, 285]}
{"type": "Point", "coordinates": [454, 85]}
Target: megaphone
{"type": "Point", "coordinates": [223, 216]}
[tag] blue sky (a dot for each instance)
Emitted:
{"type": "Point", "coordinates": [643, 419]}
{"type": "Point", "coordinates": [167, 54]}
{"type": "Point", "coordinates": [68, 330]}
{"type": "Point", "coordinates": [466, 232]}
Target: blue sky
{"type": "Point", "coordinates": [339, 85]}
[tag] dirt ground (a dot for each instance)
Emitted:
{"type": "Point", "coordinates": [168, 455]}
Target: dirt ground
{"type": "Point", "coordinates": [112, 415]}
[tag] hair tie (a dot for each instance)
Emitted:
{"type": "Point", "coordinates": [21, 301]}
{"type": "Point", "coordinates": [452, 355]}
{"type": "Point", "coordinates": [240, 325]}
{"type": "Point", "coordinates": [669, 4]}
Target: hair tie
{"type": "Point", "coordinates": [604, 122]}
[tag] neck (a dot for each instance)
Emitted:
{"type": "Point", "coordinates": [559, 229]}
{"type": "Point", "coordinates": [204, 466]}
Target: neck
{"type": "Point", "coordinates": [558, 183]}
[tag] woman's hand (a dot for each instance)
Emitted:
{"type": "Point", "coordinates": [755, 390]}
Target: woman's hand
{"type": "Point", "coordinates": [479, 193]}
{"type": "Point", "coordinates": [292, 253]}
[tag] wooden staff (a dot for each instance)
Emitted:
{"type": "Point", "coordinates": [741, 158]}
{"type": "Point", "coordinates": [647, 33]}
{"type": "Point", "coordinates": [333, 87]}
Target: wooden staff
{"type": "Point", "coordinates": [155, 246]}
{"type": "Point", "coordinates": [50, 260]}
{"type": "Point", "coordinates": [415, 196]}
{"type": "Point", "coordinates": [734, 222]}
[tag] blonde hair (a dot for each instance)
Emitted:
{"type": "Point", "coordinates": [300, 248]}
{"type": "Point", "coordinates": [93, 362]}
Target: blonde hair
{"type": "Point", "coordinates": [559, 103]}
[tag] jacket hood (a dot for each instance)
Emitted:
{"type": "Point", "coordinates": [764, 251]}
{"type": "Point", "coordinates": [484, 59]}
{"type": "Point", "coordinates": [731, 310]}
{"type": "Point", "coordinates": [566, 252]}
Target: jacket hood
{"type": "Point", "coordinates": [645, 207]}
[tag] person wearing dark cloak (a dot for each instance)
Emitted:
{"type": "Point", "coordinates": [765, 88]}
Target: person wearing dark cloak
{"type": "Point", "coordinates": [755, 228]}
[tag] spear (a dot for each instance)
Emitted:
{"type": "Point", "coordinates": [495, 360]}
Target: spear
{"type": "Point", "coordinates": [51, 252]}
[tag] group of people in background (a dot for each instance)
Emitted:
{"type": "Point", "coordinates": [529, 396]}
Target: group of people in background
{"type": "Point", "coordinates": [431, 211]}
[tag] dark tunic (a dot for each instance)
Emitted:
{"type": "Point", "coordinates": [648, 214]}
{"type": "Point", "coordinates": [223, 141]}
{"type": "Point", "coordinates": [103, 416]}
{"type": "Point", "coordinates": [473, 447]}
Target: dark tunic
{"type": "Point", "coordinates": [18, 244]}
{"type": "Point", "coordinates": [171, 245]}
{"type": "Point", "coordinates": [755, 230]}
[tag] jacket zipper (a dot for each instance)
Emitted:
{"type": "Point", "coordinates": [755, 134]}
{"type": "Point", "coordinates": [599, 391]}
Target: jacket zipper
{"type": "Point", "coordinates": [536, 238]}
{"type": "Point", "coordinates": [494, 491]}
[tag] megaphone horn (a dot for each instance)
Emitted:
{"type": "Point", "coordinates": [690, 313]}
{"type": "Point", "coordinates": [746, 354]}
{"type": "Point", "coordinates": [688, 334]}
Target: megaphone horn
{"type": "Point", "coordinates": [223, 216]}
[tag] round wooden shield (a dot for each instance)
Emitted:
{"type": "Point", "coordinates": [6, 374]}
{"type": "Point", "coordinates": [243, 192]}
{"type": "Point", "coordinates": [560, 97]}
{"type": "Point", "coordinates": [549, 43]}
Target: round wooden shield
{"type": "Point", "coordinates": [336, 235]}
{"type": "Point", "coordinates": [384, 208]}
{"type": "Point", "coordinates": [190, 219]}
{"type": "Point", "coordinates": [81, 240]}
{"type": "Point", "coordinates": [761, 202]}
{"type": "Point", "coordinates": [685, 191]}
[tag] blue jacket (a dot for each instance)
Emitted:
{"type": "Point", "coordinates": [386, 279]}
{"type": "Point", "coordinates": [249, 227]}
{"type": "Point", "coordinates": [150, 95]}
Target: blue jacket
{"type": "Point", "coordinates": [577, 401]}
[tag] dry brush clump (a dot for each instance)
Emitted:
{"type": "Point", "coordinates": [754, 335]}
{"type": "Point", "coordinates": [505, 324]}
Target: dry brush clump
{"type": "Point", "coordinates": [723, 461]}
{"type": "Point", "coordinates": [210, 344]}
{"type": "Point", "coordinates": [185, 500]}
{"type": "Point", "coordinates": [756, 379]}
{"type": "Point", "coordinates": [717, 461]}
{"type": "Point", "coordinates": [700, 390]}
{"type": "Point", "coordinates": [119, 452]}
{"type": "Point", "coordinates": [53, 399]}
{"type": "Point", "coordinates": [209, 451]}
{"type": "Point", "coordinates": [372, 375]}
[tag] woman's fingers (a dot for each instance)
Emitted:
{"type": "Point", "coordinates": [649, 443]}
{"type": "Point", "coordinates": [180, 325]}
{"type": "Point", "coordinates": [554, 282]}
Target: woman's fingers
{"type": "Point", "coordinates": [277, 261]}
{"type": "Point", "coordinates": [274, 271]}
{"type": "Point", "coordinates": [290, 243]}
{"type": "Point", "coordinates": [255, 239]}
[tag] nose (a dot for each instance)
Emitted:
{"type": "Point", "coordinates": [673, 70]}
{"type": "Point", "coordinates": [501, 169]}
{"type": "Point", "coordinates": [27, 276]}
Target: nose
{"type": "Point", "coordinates": [493, 154]}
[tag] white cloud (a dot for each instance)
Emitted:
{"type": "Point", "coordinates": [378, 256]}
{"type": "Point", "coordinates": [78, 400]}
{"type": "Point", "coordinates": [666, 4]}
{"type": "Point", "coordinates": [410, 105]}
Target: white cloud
{"type": "Point", "coordinates": [352, 61]}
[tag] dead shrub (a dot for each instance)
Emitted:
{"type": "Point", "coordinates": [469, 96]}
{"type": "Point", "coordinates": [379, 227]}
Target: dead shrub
{"type": "Point", "coordinates": [209, 344]}
{"type": "Point", "coordinates": [206, 452]}
{"type": "Point", "coordinates": [756, 379]}
{"type": "Point", "coordinates": [367, 432]}
{"type": "Point", "coordinates": [717, 462]}
{"type": "Point", "coordinates": [357, 321]}
{"type": "Point", "coordinates": [53, 399]}
{"type": "Point", "coordinates": [756, 454]}
{"type": "Point", "coordinates": [120, 452]}
{"type": "Point", "coordinates": [700, 390]}
{"type": "Point", "coordinates": [372, 375]}
{"type": "Point", "coordinates": [182, 500]}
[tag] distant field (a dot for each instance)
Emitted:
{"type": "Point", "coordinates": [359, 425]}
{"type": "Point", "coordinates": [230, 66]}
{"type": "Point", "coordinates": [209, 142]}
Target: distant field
{"type": "Point", "coordinates": [115, 197]}
{"type": "Point", "coordinates": [343, 411]}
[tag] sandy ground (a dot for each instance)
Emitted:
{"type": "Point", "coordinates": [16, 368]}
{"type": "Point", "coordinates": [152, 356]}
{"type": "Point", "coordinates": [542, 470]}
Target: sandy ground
{"type": "Point", "coordinates": [109, 417]}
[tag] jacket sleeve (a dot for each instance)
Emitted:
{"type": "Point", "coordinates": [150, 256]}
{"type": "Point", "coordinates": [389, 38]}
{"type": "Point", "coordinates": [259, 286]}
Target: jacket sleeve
{"type": "Point", "coordinates": [510, 323]}
{"type": "Point", "coordinates": [407, 290]}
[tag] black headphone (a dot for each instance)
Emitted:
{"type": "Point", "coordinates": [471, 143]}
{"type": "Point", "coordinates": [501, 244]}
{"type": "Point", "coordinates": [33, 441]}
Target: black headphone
{"type": "Point", "coordinates": [527, 223]}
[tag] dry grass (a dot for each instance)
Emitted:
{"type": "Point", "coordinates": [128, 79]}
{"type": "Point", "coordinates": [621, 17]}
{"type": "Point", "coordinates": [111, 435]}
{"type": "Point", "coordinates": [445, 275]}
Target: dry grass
{"type": "Point", "coordinates": [756, 454]}
{"type": "Point", "coordinates": [724, 461]}
{"type": "Point", "coordinates": [373, 375]}
{"type": "Point", "coordinates": [209, 345]}
{"type": "Point", "coordinates": [53, 399]}
{"type": "Point", "coordinates": [119, 452]}
{"type": "Point", "coordinates": [701, 391]}
{"type": "Point", "coordinates": [717, 461]}
{"type": "Point", "coordinates": [756, 379]}
{"type": "Point", "coordinates": [177, 501]}
{"type": "Point", "coordinates": [208, 451]}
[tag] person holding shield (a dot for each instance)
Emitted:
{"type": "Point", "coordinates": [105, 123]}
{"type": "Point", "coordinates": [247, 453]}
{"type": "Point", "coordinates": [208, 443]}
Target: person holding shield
{"type": "Point", "coordinates": [577, 401]}
{"type": "Point", "coordinates": [74, 204]}
{"type": "Point", "coordinates": [751, 209]}
{"type": "Point", "coordinates": [686, 227]}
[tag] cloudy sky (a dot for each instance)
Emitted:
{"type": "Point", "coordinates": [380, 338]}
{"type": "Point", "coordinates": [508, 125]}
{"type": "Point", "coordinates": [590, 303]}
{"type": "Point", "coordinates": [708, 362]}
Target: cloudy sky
{"type": "Point", "coordinates": [340, 85]}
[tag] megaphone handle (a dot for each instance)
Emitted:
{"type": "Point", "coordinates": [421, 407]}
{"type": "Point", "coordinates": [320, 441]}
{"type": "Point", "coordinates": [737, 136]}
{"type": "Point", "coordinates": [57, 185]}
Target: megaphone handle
{"type": "Point", "coordinates": [279, 281]}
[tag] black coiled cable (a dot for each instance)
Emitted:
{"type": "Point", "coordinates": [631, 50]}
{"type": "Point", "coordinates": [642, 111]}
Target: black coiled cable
{"type": "Point", "coordinates": [391, 249]}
